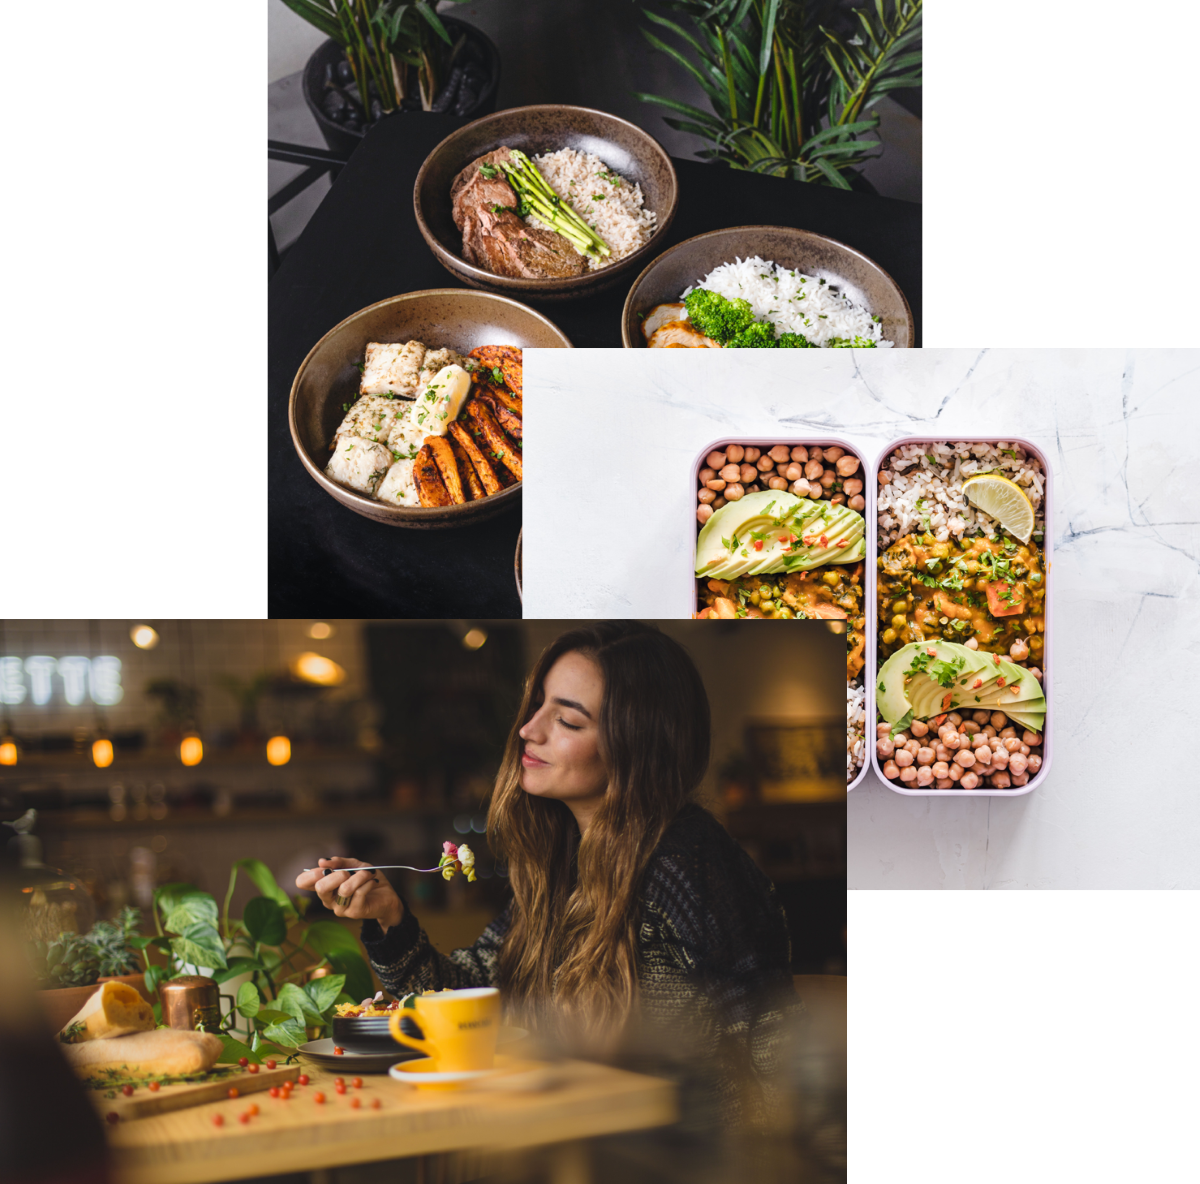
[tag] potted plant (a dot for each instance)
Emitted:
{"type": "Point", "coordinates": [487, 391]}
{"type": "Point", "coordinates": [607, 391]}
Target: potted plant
{"type": "Point", "coordinates": [69, 968]}
{"type": "Point", "coordinates": [280, 1004]}
{"type": "Point", "coordinates": [792, 84]}
{"type": "Point", "coordinates": [383, 56]}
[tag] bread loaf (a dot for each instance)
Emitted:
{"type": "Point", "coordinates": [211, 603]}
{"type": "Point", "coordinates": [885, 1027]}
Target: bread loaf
{"type": "Point", "coordinates": [114, 1009]}
{"type": "Point", "coordinates": [164, 1052]}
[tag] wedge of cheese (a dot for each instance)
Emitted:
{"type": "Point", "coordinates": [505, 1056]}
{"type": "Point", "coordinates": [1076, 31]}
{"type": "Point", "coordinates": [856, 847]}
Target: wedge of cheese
{"type": "Point", "coordinates": [113, 1009]}
{"type": "Point", "coordinates": [164, 1052]}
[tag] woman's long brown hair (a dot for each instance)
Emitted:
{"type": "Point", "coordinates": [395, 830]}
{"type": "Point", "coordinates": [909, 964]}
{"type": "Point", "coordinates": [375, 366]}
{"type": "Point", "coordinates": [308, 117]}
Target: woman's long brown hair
{"type": "Point", "coordinates": [571, 951]}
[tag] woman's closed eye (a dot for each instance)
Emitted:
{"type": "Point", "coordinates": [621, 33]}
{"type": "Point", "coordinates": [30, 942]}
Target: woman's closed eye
{"type": "Point", "coordinates": [573, 727]}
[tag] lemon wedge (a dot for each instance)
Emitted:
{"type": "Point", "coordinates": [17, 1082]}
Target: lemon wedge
{"type": "Point", "coordinates": [1004, 501]}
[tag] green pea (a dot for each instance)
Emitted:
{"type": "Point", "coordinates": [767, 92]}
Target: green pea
{"type": "Point", "coordinates": [889, 635]}
{"type": "Point", "coordinates": [899, 621]}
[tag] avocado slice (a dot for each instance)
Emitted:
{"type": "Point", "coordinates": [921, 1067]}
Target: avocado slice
{"type": "Point", "coordinates": [764, 532]}
{"type": "Point", "coordinates": [1033, 720]}
{"type": "Point", "coordinates": [916, 679]}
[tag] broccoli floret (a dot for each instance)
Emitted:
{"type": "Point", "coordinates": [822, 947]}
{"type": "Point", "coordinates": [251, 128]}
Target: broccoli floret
{"type": "Point", "coordinates": [759, 335]}
{"type": "Point", "coordinates": [716, 317]}
{"type": "Point", "coordinates": [794, 341]}
{"type": "Point", "coordinates": [851, 343]}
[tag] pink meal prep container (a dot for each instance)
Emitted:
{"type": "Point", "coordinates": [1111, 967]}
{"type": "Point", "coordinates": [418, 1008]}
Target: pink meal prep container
{"type": "Point", "coordinates": [1047, 651]}
{"type": "Point", "coordinates": [869, 487]}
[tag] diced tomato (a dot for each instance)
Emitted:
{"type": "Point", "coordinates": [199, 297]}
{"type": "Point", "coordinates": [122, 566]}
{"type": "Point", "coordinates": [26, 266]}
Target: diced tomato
{"type": "Point", "coordinates": [1001, 681]}
{"type": "Point", "coordinates": [824, 541]}
{"type": "Point", "coordinates": [947, 698]}
{"type": "Point", "coordinates": [977, 684]}
{"type": "Point", "coordinates": [758, 545]}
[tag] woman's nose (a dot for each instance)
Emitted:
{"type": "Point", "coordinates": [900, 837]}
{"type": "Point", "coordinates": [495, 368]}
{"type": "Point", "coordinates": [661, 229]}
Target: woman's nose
{"type": "Point", "coordinates": [533, 728]}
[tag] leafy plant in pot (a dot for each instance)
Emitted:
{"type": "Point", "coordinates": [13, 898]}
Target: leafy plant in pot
{"type": "Point", "coordinates": [275, 1009]}
{"type": "Point", "coordinates": [383, 56]}
{"type": "Point", "coordinates": [791, 82]}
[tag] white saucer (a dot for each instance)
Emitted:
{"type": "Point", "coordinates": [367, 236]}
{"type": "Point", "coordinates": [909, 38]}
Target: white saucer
{"type": "Point", "coordinates": [418, 1074]}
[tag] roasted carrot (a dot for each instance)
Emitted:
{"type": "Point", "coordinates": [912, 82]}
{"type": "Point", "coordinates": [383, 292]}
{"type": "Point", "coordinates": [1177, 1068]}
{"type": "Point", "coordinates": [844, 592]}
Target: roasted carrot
{"type": "Point", "coordinates": [447, 463]}
{"type": "Point", "coordinates": [494, 439]}
{"type": "Point", "coordinates": [487, 474]}
{"type": "Point", "coordinates": [431, 490]}
{"type": "Point", "coordinates": [474, 487]}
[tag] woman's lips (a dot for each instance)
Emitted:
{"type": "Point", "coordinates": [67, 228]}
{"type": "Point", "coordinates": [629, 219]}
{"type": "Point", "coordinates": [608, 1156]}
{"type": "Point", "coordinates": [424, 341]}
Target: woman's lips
{"type": "Point", "coordinates": [532, 762]}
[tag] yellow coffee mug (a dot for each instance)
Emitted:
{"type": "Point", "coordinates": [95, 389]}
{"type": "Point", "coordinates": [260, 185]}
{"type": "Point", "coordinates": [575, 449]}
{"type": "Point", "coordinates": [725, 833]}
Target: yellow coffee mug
{"type": "Point", "coordinates": [460, 1028]}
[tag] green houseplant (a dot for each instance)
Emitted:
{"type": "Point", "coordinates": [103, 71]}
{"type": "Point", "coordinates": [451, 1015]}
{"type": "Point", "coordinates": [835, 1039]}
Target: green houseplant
{"type": "Point", "coordinates": [791, 95]}
{"type": "Point", "coordinates": [276, 1009]}
{"type": "Point", "coordinates": [402, 49]}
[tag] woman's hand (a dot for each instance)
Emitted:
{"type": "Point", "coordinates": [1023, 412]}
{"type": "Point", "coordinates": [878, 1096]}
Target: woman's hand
{"type": "Point", "coordinates": [361, 896]}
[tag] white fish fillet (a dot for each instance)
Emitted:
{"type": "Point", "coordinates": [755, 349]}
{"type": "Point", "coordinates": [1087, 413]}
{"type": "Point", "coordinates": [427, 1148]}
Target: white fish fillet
{"type": "Point", "coordinates": [372, 418]}
{"type": "Point", "coordinates": [392, 367]}
{"type": "Point", "coordinates": [358, 463]}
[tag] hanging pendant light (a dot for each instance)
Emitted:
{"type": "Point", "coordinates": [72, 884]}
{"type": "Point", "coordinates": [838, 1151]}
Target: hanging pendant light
{"type": "Point", "coordinates": [8, 750]}
{"type": "Point", "coordinates": [191, 749]}
{"type": "Point", "coordinates": [102, 752]}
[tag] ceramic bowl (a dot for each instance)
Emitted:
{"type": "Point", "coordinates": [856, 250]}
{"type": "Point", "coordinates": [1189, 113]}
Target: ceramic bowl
{"type": "Point", "coordinates": [627, 149]}
{"type": "Point", "coordinates": [328, 377]}
{"type": "Point", "coordinates": [862, 279]}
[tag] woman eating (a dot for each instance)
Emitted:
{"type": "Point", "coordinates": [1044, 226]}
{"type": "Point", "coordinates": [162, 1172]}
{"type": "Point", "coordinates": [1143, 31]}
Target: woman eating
{"type": "Point", "coordinates": [632, 909]}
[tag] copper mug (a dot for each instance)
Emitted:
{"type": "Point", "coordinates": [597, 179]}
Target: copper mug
{"type": "Point", "coordinates": [192, 1001]}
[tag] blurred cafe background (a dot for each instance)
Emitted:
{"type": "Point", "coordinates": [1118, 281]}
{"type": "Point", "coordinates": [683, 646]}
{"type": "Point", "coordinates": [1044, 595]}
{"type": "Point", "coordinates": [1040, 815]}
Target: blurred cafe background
{"type": "Point", "coordinates": [159, 751]}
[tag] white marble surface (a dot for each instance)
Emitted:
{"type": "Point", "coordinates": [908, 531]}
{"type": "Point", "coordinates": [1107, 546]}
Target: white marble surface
{"type": "Point", "coordinates": [608, 512]}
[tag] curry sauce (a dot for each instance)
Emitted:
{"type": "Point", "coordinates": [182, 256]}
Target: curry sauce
{"type": "Point", "coordinates": [989, 589]}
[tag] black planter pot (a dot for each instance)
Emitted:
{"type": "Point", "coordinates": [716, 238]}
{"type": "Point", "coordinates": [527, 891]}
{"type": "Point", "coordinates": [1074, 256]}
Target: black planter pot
{"type": "Point", "coordinates": [344, 140]}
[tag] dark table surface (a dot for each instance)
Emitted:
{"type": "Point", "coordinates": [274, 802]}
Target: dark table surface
{"type": "Point", "coordinates": [363, 245]}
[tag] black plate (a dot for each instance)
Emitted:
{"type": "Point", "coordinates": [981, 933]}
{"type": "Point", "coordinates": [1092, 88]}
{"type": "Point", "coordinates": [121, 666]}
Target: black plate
{"type": "Point", "coordinates": [320, 1052]}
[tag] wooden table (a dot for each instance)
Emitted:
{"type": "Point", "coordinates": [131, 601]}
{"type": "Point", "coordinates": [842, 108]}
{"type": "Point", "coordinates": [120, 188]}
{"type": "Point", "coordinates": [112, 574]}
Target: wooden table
{"type": "Point", "coordinates": [586, 1100]}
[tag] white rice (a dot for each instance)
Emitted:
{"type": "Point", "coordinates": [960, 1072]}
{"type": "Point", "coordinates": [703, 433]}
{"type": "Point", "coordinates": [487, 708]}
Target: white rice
{"type": "Point", "coordinates": [856, 726]}
{"type": "Point", "coordinates": [608, 203]}
{"type": "Point", "coordinates": [932, 475]}
{"type": "Point", "coordinates": [791, 301]}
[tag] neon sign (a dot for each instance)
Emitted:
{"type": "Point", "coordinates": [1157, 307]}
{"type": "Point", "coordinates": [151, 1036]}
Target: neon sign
{"type": "Point", "coordinates": [78, 678]}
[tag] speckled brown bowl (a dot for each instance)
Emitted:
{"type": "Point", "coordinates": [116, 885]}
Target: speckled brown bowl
{"type": "Point", "coordinates": [862, 279]}
{"type": "Point", "coordinates": [626, 149]}
{"type": "Point", "coordinates": [441, 317]}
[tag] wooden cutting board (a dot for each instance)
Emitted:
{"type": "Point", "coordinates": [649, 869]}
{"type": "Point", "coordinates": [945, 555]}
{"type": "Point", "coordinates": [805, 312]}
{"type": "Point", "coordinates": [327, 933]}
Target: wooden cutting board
{"type": "Point", "coordinates": [144, 1102]}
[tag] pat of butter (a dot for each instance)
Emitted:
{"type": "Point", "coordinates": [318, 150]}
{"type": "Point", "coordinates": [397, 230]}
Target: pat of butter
{"type": "Point", "coordinates": [441, 401]}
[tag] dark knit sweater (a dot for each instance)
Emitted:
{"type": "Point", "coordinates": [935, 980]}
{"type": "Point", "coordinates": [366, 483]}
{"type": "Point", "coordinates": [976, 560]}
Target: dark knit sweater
{"type": "Point", "coordinates": [713, 959]}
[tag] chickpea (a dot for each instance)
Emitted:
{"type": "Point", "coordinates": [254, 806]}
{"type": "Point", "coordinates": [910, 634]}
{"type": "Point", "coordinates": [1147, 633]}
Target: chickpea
{"type": "Point", "coordinates": [903, 757]}
{"type": "Point", "coordinates": [924, 775]}
{"type": "Point", "coordinates": [764, 464]}
{"type": "Point", "coordinates": [956, 772]}
{"type": "Point", "coordinates": [969, 781]}
{"type": "Point", "coordinates": [1033, 762]}
{"type": "Point", "coordinates": [1001, 780]}
{"type": "Point", "coordinates": [955, 718]}
{"type": "Point", "coordinates": [981, 717]}
{"type": "Point", "coordinates": [794, 471]}
{"type": "Point", "coordinates": [832, 453]}
{"type": "Point", "coordinates": [780, 452]}
{"type": "Point", "coordinates": [983, 756]}
{"type": "Point", "coordinates": [919, 728]}
{"type": "Point", "coordinates": [889, 635]}
{"type": "Point", "coordinates": [979, 740]}
{"type": "Point", "coordinates": [908, 773]}
{"type": "Point", "coordinates": [800, 488]}
{"type": "Point", "coordinates": [891, 770]}
{"type": "Point", "coordinates": [847, 465]}
{"type": "Point", "coordinates": [706, 495]}
{"type": "Point", "coordinates": [838, 499]}
{"type": "Point", "coordinates": [827, 479]}
{"type": "Point", "coordinates": [970, 643]}
{"type": "Point", "coordinates": [1018, 763]}
{"type": "Point", "coordinates": [901, 738]}
{"type": "Point", "coordinates": [815, 454]}
{"type": "Point", "coordinates": [989, 732]}
{"type": "Point", "coordinates": [943, 783]}
{"type": "Point", "coordinates": [715, 460]}
{"type": "Point", "coordinates": [1036, 673]}
{"type": "Point", "coordinates": [913, 746]}
{"type": "Point", "coordinates": [998, 720]}
{"type": "Point", "coordinates": [778, 483]}
{"type": "Point", "coordinates": [1012, 744]}
{"type": "Point", "coordinates": [734, 492]}
{"type": "Point", "coordinates": [924, 756]}
{"type": "Point", "coordinates": [884, 747]}
{"type": "Point", "coordinates": [1018, 651]}
{"type": "Point", "coordinates": [799, 453]}
{"type": "Point", "coordinates": [814, 490]}
{"type": "Point", "coordinates": [941, 768]}
{"type": "Point", "coordinates": [735, 452]}
{"type": "Point", "coordinates": [831, 578]}
{"type": "Point", "coordinates": [706, 475]}
{"type": "Point", "coordinates": [703, 514]}
{"type": "Point", "coordinates": [1023, 749]}
{"type": "Point", "coordinates": [1020, 779]}
{"type": "Point", "coordinates": [942, 753]}
{"type": "Point", "coordinates": [885, 478]}
{"type": "Point", "coordinates": [719, 503]}
{"type": "Point", "coordinates": [965, 757]}
{"type": "Point", "coordinates": [813, 469]}
{"type": "Point", "coordinates": [751, 455]}
{"type": "Point", "coordinates": [730, 473]}
{"type": "Point", "coordinates": [883, 729]}
{"type": "Point", "coordinates": [1008, 733]}
{"type": "Point", "coordinates": [969, 726]}
{"type": "Point", "coordinates": [1031, 738]}
{"type": "Point", "coordinates": [716, 483]}
{"type": "Point", "coordinates": [853, 485]}
{"type": "Point", "coordinates": [857, 502]}
{"type": "Point", "coordinates": [953, 741]}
